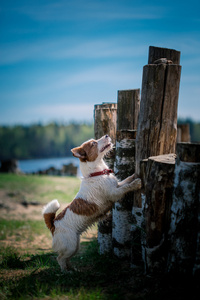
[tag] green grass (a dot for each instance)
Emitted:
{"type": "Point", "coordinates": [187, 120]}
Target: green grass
{"type": "Point", "coordinates": [13, 227]}
{"type": "Point", "coordinates": [39, 188]}
{"type": "Point", "coordinates": [39, 276]}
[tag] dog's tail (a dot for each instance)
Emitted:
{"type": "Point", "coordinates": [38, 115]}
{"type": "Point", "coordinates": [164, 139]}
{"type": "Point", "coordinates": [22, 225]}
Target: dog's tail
{"type": "Point", "coordinates": [49, 212]}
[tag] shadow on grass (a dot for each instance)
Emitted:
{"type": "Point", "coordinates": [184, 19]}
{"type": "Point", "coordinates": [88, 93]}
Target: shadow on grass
{"type": "Point", "coordinates": [39, 275]}
{"type": "Point", "coordinates": [97, 277]}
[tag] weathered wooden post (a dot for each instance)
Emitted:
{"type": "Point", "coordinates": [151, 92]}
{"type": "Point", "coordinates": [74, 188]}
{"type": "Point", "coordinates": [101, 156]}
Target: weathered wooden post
{"type": "Point", "coordinates": [157, 174]}
{"type": "Point", "coordinates": [184, 233]}
{"type": "Point", "coordinates": [127, 117]}
{"type": "Point", "coordinates": [183, 133]}
{"type": "Point", "coordinates": [156, 53]}
{"type": "Point", "coordinates": [105, 117]}
{"type": "Point", "coordinates": [157, 125]}
{"type": "Point", "coordinates": [105, 120]}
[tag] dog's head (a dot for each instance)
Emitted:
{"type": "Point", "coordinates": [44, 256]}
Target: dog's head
{"type": "Point", "coordinates": [93, 149]}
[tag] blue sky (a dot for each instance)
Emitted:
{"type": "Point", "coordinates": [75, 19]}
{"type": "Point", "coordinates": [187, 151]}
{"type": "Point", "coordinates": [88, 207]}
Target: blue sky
{"type": "Point", "coordinates": [60, 58]}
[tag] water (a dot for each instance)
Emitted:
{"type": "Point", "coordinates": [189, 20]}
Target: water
{"type": "Point", "coordinates": [35, 165]}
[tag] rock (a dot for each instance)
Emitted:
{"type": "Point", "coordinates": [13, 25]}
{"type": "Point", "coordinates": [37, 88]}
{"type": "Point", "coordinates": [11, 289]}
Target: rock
{"type": "Point", "coordinates": [9, 166]}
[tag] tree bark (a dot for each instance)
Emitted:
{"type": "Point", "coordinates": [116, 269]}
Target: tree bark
{"type": "Point", "coordinates": [184, 133]}
{"type": "Point", "coordinates": [105, 116]}
{"type": "Point", "coordinates": [185, 219]}
{"type": "Point", "coordinates": [157, 174]}
{"type": "Point", "coordinates": [128, 109]}
{"type": "Point", "coordinates": [127, 118]}
{"type": "Point", "coordinates": [122, 211]}
{"type": "Point", "coordinates": [105, 120]}
{"type": "Point", "coordinates": [157, 125]}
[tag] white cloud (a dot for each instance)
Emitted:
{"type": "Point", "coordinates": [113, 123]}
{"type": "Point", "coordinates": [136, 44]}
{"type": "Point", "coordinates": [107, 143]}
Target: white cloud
{"type": "Point", "coordinates": [65, 48]}
{"type": "Point", "coordinates": [73, 10]}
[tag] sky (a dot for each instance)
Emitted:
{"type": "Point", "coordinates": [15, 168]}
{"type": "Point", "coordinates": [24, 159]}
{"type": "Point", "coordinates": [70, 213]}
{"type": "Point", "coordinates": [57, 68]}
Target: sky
{"type": "Point", "coordinates": [60, 58]}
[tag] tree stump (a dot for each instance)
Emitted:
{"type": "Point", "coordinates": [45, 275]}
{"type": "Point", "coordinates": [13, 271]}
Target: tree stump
{"type": "Point", "coordinates": [157, 175]}
{"type": "Point", "coordinates": [122, 211]}
{"type": "Point", "coordinates": [157, 124]}
{"type": "Point", "coordinates": [127, 118]}
{"type": "Point", "coordinates": [184, 233]}
{"type": "Point", "coordinates": [105, 117]}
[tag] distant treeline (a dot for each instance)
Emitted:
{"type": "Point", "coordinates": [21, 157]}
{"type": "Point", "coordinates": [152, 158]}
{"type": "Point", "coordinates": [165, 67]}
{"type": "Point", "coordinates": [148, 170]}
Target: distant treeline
{"type": "Point", "coordinates": [42, 141]}
{"type": "Point", "coordinates": [54, 140]}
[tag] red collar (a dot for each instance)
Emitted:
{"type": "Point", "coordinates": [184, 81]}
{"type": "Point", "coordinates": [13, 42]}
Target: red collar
{"type": "Point", "coordinates": [104, 172]}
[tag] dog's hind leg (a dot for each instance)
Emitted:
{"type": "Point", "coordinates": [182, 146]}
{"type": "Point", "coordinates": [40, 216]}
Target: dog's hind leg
{"type": "Point", "coordinates": [70, 249]}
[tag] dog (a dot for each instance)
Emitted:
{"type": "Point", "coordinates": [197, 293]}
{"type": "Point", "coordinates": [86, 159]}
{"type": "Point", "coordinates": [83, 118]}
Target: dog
{"type": "Point", "coordinates": [98, 191]}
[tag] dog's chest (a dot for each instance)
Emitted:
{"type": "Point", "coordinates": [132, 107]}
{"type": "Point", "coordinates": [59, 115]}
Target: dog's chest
{"type": "Point", "coordinates": [97, 189]}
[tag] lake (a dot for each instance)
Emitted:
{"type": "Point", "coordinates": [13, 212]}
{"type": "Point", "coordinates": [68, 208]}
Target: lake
{"type": "Point", "coordinates": [35, 165]}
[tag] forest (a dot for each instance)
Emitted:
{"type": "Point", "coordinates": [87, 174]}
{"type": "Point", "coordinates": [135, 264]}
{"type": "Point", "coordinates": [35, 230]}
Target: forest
{"type": "Point", "coordinates": [42, 141]}
{"type": "Point", "coordinates": [54, 140]}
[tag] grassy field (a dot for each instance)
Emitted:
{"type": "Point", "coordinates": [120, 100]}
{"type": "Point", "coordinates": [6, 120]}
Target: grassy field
{"type": "Point", "coordinates": [28, 267]}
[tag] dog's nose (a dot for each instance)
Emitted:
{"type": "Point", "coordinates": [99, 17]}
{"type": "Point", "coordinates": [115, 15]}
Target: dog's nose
{"type": "Point", "coordinates": [106, 136]}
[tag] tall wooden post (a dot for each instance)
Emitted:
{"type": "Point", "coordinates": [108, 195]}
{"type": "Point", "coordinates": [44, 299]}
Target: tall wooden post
{"type": "Point", "coordinates": [184, 233]}
{"type": "Point", "coordinates": [127, 117]}
{"type": "Point", "coordinates": [157, 124]}
{"type": "Point", "coordinates": [105, 117]}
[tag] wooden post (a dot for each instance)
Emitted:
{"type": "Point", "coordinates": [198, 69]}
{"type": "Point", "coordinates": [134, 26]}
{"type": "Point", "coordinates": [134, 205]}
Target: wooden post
{"type": "Point", "coordinates": [184, 230]}
{"type": "Point", "coordinates": [105, 117]}
{"type": "Point", "coordinates": [105, 120]}
{"type": "Point", "coordinates": [157, 124]}
{"type": "Point", "coordinates": [127, 117]}
{"type": "Point", "coordinates": [157, 174]}
{"type": "Point", "coordinates": [183, 135]}
{"type": "Point", "coordinates": [156, 53]}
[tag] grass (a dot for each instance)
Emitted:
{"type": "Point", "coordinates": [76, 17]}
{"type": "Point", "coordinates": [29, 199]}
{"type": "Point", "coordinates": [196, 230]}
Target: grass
{"type": "Point", "coordinates": [39, 276]}
{"type": "Point", "coordinates": [39, 188]}
{"type": "Point", "coordinates": [10, 228]}
{"type": "Point", "coordinates": [28, 267]}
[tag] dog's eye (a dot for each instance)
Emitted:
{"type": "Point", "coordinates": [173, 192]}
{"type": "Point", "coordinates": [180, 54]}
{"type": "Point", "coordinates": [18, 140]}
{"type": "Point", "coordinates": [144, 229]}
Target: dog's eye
{"type": "Point", "coordinates": [94, 143]}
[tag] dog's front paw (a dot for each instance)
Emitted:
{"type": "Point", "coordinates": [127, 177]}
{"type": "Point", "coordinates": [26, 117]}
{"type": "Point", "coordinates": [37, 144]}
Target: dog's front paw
{"type": "Point", "coordinates": [136, 184]}
{"type": "Point", "coordinates": [133, 177]}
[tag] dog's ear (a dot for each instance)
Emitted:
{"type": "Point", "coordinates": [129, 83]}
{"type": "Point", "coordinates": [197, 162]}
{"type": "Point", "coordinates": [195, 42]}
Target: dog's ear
{"type": "Point", "coordinates": [79, 152]}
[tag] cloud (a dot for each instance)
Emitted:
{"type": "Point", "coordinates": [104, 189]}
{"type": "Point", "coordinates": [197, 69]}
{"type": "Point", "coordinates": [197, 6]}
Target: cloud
{"type": "Point", "coordinates": [67, 48]}
{"type": "Point", "coordinates": [73, 10]}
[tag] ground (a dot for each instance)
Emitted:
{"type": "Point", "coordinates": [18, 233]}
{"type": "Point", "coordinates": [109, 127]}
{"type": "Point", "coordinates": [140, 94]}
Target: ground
{"type": "Point", "coordinates": [28, 267]}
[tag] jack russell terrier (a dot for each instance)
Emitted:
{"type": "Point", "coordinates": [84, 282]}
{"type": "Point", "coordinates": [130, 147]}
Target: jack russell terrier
{"type": "Point", "coordinates": [98, 191]}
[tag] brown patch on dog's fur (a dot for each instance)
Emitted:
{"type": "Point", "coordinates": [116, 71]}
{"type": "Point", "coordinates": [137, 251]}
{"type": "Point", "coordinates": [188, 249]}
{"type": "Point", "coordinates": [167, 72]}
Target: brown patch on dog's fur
{"type": "Point", "coordinates": [61, 214]}
{"type": "Point", "coordinates": [79, 207]}
{"type": "Point", "coordinates": [83, 207]}
{"type": "Point", "coordinates": [49, 220]}
{"type": "Point", "coordinates": [87, 151]}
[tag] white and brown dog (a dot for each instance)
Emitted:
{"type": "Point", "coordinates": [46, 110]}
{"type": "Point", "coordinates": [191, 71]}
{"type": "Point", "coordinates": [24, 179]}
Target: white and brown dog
{"type": "Point", "coordinates": [99, 190]}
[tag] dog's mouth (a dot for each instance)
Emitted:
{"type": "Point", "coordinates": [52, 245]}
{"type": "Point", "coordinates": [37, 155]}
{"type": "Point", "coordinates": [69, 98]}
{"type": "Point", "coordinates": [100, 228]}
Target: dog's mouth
{"type": "Point", "coordinates": [105, 147]}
